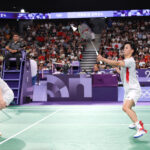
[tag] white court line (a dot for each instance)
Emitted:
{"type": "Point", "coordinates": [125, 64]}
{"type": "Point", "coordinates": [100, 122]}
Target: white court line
{"type": "Point", "coordinates": [85, 107]}
{"type": "Point", "coordinates": [76, 106]}
{"type": "Point", "coordinates": [92, 109]}
{"type": "Point", "coordinates": [86, 124]}
{"type": "Point", "coordinates": [29, 127]}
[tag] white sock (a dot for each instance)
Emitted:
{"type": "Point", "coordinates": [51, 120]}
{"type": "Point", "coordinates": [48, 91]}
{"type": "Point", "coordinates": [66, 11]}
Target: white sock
{"type": "Point", "coordinates": [138, 125]}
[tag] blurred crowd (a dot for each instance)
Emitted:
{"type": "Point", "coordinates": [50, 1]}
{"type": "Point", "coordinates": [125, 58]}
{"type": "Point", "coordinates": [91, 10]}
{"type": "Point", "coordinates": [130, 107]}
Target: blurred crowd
{"type": "Point", "coordinates": [47, 42]}
{"type": "Point", "coordinates": [119, 30]}
{"type": "Point", "coordinates": [56, 43]}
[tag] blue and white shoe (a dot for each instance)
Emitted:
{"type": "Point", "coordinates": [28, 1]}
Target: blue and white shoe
{"type": "Point", "coordinates": [132, 126]}
{"type": "Point", "coordinates": [139, 133]}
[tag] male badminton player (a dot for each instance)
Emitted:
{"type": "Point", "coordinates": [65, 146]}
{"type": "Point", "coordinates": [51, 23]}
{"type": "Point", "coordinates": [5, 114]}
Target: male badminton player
{"type": "Point", "coordinates": [131, 85]}
{"type": "Point", "coordinates": [6, 95]}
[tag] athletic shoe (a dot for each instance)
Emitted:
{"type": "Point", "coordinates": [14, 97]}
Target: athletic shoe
{"type": "Point", "coordinates": [141, 131]}
{"type": "Point", "coordinates": [132, 126]}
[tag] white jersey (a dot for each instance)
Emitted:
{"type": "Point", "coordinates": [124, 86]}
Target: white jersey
{"type": "Point", "coordinates": [128, 75]}
{"type": "Point", "coordinates": [4, 87]}
{"type": "Point", "coordinates": [7, 93]}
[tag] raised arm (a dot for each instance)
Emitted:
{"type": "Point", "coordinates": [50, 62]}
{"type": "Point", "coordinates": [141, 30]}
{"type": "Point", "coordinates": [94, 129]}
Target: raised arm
{"type": "Point", "coordinates": [111, 62]}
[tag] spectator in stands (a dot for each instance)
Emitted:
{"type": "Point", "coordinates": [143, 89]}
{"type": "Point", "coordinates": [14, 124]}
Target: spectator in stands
{"type": "Point", "coordinates": [14, 51]}
{"type": "Point", "coordinates": [148, 64]}
{"type": "Point", "coordinates": [142, 63]}
{"type": "Point", "coordinates": [96, 69]}
{"type": "Point", "coordinates": [58, 70]}
{"type": "Point", "coordinates": [121, 30]}
{"type": "Point", "coordinates": [65, 67]}
{"type": "Point", "coordinates": [34, 70]}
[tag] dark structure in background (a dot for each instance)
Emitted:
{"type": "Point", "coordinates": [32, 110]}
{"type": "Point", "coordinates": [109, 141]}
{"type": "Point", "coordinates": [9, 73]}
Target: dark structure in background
{"type": "Point", "coordinates": [71, 5]}
{"type": "Point", "coordinates": [98, 24]}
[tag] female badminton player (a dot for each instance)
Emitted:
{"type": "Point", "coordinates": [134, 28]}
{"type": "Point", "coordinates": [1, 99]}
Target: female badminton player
{"type": "Point", "coordinates": [131, 85]}
{"type": "Point", "coordinates": [6, 95]}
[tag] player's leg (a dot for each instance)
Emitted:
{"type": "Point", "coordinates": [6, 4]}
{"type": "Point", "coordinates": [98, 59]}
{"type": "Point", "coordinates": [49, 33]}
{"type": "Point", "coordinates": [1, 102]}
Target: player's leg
{"type": "Point", "coordinates": [127, 108]}
{"type": "Point", "coordinates": [18, 56]}
{"type": "Point", "coordinates": [7, 62]}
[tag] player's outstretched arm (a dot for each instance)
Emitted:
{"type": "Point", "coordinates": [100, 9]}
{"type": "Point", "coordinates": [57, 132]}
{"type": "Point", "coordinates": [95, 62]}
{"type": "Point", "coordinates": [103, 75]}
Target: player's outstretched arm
{"type": "Point", "coordinates": [111, 62]}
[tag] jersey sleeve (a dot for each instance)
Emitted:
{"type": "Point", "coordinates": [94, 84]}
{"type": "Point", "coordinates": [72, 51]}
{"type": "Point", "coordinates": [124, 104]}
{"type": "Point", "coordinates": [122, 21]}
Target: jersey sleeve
{"type": "Point", "coordinates": [129, 62]}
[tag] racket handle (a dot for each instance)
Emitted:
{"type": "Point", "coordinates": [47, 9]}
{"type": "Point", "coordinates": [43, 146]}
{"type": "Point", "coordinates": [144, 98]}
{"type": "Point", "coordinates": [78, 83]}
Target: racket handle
{"type": "Point", "coordinates": [97, 55]}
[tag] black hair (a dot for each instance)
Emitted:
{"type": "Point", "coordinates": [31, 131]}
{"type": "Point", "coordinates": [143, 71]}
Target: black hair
{"type": "Point", "coordinates": [58, 68]}
{"type": "Point", "coordinates": [132, 47]}
{"type": "Point", "coordinates": [15, 34]}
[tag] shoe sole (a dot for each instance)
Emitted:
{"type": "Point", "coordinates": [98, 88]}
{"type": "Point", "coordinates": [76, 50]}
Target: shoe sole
{"type": "Point", "coordinates": [138, 136]}
{"type": "Point", "coordinates": [132, 128]}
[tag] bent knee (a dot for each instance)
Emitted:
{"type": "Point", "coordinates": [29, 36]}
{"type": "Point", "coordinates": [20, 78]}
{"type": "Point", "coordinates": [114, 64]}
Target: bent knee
{"type": "Point", "coordinates": [2, 106]}
{"type": "Point", "coordinates": [125, 108]}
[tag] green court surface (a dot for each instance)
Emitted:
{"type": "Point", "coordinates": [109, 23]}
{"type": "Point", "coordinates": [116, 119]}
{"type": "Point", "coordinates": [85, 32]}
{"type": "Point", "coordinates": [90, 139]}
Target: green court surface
{"type": "Point", "coordinates": [71, 127]}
